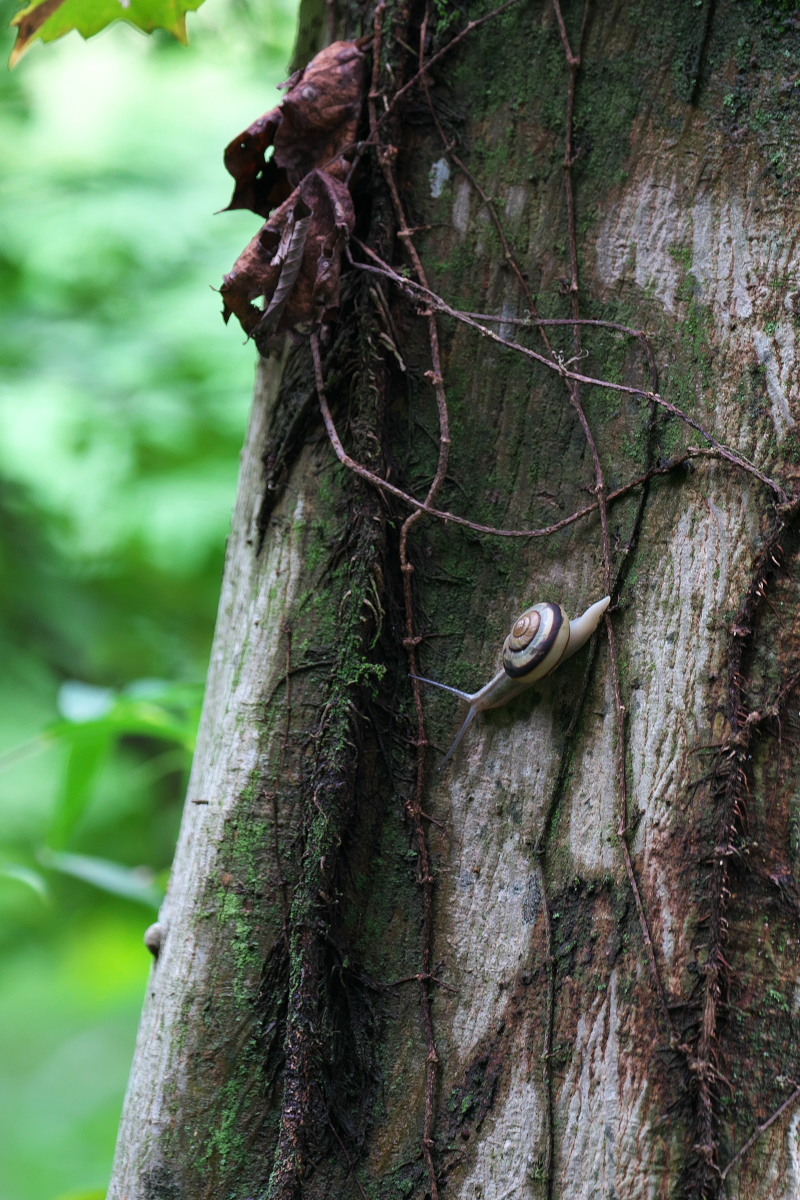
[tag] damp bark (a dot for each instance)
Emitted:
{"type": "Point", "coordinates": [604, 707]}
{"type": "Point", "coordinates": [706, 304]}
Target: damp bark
{"type": "Point", "coordinates": [573, 969]}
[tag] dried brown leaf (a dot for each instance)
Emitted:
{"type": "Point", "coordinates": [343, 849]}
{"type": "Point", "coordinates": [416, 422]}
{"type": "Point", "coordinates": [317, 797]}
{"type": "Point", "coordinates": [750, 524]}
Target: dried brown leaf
{"type": "Point", "coordinates": [295, 260]}
{"type": "Point", "coordinates": [316, 121]}
{"type": "Point", "coordinates": [290, 252]}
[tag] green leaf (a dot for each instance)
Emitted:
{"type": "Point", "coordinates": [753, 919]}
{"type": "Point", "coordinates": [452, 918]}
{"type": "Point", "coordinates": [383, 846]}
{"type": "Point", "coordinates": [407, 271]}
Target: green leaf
{"type": "Point", "coordinates": [89, 746]}
{"type": "Point", "coordinates": [32, 879]}
{"type": "Point", "coordinates": [51, 19]}
{"type": "Point", "coordinates": [95, 721]}
{"type": "Point", "coordinates": [144, 708]}
{"type": "Point", "coordinates": [132, 883]}
{"type": "Point", "coordinates": [144, 719]}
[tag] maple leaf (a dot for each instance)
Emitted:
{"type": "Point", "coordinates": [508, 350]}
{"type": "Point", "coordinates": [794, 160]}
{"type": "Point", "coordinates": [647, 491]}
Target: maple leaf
{"type": "Point", "coordinates": [51, 19]}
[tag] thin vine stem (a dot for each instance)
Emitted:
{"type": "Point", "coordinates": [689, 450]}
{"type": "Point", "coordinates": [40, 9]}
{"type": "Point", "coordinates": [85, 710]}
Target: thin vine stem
{"type": "Point", "coordinates": [425, 67]}
{"type": "Point", "coordinates": [426, 875]}
{"type": "Point", "coordinates": [563, 369]}
{"type": "Point", "coordinates": [762, 1129]}
{"type": "Point", "coordinates": [425, 509]}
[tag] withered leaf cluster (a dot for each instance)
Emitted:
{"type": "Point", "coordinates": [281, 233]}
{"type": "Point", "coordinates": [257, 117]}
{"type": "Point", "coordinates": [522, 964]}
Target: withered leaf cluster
{"type": "Point", "coordinates": [294, 262]}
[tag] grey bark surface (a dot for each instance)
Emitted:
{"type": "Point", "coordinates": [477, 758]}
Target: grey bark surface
{"type": "Point", "coordinates": [282, 1049]}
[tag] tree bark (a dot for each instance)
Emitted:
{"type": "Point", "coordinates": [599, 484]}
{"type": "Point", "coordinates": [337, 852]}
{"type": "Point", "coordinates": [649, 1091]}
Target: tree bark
{"type": "Point", "coordinates": [568, 964]}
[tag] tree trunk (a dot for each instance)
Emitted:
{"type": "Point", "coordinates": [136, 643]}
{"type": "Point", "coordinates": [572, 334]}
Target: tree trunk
{"type": "Point", "coordinates": [567, 965]}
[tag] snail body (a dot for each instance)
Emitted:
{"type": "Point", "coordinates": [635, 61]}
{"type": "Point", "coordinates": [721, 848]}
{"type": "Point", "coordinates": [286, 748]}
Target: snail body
{"type": "Point", "coordinates": [541, 638]}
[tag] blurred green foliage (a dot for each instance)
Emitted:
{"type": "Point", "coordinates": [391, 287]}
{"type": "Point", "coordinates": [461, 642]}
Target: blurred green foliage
{"type": "Point", "coordinates": [123, 405]}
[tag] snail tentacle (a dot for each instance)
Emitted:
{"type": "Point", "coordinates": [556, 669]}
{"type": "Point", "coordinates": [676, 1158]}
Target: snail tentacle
{"type": "Point", "coordinates": [470, 717]}
{"type": "Point", "coordinates": [445, 688]}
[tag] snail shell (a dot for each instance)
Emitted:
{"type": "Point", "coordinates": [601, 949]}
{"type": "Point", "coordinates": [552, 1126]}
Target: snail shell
{"type": "Point", "coordinates": [153, 938]}
{"type": "Point", "coordinates": [541, 637]}
{"type": "Point", "coordinates": [537, 642]}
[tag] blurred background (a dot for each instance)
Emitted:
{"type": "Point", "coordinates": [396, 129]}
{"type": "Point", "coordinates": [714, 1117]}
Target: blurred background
{"type": "Point", "coordinates": [123, 406]}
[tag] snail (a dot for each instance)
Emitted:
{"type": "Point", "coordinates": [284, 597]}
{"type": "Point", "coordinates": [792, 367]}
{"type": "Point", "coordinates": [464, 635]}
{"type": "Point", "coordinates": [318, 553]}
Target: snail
{"type": "Point", "coordinates": [541, 638]}
{"type": "Point", "coordinates": [153, 938]}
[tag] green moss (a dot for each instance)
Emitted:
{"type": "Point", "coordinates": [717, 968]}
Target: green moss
{"type": "Point", "coordinates": [227, 1140]}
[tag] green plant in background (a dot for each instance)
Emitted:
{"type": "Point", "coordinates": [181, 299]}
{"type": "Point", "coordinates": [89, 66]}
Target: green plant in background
{"type": "Point", "coordinates": [123, 402]}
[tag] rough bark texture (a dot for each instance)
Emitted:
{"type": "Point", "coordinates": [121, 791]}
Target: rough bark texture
{"type": "Point", "coordinates": [591, 984]}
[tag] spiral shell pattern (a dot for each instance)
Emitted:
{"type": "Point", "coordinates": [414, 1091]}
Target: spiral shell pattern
{"type": "Point", "coordinates": [537, 642]}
